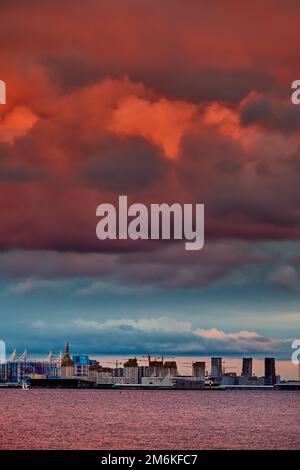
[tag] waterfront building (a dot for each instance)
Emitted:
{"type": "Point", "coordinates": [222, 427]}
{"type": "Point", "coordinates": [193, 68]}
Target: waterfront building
{"type": "Point", "coordinates": [53, 367]}
{"type": "Point", "coordinates": [143, 371]}
{"type": "Point", "coordinates": [199, 370]}
{"type": "Point", "coordinates": [189, 383]}
{"type": "Point", "coordinates": [18, 370]}
{"type": "Point", "coordinates": [131, 371]}
{"type": "Point", "coordinates": [118, 372]}
{"type": "Point", "coordinates": [243, 380]}
{"type": "Point", "coordinates": [81, 370]}
{"type": "Point", "coordinates": [216, 368]}
{"type": "Point", "coordinates": [230, 378]}
{"type": "Point", "coordinates": [156, 368]}
{"type": "Point", "coordinates": [81, 366]}
{"type": "Point", "coordinates": [247, 367]}
{"type": "Point", "coordinates": [93, 371]}
{"type": "Point", "coordinates": [270, 372]}
{"type": "Point", "coordinates": [104, 376]}
{"type": "Point", "coordinates": [169, 369]}
{"type": "Point", "coordinates": [167, 381]}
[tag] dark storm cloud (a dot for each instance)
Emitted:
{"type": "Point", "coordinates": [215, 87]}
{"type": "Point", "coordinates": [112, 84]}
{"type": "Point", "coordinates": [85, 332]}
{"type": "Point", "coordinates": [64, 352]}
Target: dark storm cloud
{"type": "Point", "coordinates": [19, 174]}
{"type": "Point", "coordinates": [271, 114]}
{"type": "Point", "coordinates": [164, 267]}
{"type": "Point", "coordinates": [123, 165]}
{"type": "Point", "coordinates": [71, 69]}
{"type": "Point", "coordinates": [74, 69]}
{"type": "Point", "coordinates": [201, 84]}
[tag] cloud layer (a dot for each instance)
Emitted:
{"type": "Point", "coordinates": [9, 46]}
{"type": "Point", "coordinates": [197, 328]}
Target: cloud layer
{"type": "Point", "coordinates": [162, 334]}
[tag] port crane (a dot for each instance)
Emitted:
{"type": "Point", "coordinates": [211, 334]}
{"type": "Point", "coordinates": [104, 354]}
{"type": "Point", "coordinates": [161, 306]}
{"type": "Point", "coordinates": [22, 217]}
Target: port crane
{"type": "Point", "coordinates": [149, 357]}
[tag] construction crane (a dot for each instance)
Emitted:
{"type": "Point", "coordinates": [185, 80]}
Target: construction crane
{"type": "Point", "coordinates": [115, 363]}
{"type": "Point", "coordinates": [19, 358]}
{"type": "Point", "coordinates": [149, 357]}
{"type": "Point", "coordinates": [186, 364]}
{"type": "Point", "coordinates": [225, 368]}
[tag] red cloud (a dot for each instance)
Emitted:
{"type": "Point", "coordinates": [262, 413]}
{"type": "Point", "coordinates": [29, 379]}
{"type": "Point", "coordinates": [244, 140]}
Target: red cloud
{"type": "Point", "coordinates": [167, 114]}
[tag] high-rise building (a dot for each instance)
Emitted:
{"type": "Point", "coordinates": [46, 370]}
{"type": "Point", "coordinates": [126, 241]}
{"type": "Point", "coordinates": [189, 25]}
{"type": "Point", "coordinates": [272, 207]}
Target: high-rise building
{"type": "Point", "coordinates": [143, 371]}
{"type": "Point", "coordinates": [131, 371]}
{"type": "Point", "coordinates": [156, 368]}
{"type": "Point", "coordinates": [169, 369]}
{"type": "Point", "coordinates": [247, 367]}
{"type": "Point", "coordinates": [216, 367]}
{"type": "Point", "coordinates": [270, 372]}
{"type": "Point", "coordinates": [199, 370]}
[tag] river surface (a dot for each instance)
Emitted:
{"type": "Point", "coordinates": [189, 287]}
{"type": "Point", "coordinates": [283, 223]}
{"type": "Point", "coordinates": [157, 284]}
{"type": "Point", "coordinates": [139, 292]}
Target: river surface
{"type": "Point", "coordinates": [143, 419]}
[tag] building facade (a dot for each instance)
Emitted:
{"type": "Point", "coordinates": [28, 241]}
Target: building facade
{"type": "Point", "coordinates": [270, 371]}
{"type": "Point", "coordinates": [199, 370]}
{"type": "Point", "coordinates": [247, 367]}
{"type": "Point", "coordinates": [216, 368]}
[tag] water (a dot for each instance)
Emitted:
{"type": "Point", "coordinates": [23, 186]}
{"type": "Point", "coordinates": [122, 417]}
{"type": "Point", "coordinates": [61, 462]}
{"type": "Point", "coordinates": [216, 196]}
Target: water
{"type": "Point", "coordinates": [142, 419]}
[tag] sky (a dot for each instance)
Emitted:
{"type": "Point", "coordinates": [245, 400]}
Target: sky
{"type": "Point", "coordinates": [163, 101]}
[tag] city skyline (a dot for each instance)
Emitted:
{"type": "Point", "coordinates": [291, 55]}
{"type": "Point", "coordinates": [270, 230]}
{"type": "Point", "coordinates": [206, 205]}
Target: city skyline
{"type": "Point", "coordinates": [286, 369]}
{"type": "Point", "coordinates": [18, 368]}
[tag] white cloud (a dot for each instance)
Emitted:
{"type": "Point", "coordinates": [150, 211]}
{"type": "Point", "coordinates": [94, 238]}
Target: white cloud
{"type": "Point", "coordinates": [181, 335]}
{"type": "Point", "coordinates": [103, 287]}
{"type": "Point", "coordinates": [164, 324]}
{"type": "Point", "coordinates": [213, 333]}
{"type": "Point", "coordinates": [39, 325]}
{"type": "Point", "coordinates": [32, 285]}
